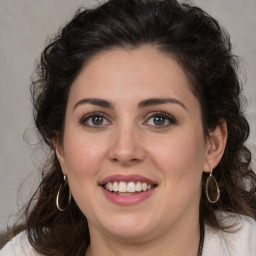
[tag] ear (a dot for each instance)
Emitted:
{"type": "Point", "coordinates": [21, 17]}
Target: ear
{"type": "Point", "coordinates": [60, 154]}
{"type": "Point", "coordinates": [216, 143]}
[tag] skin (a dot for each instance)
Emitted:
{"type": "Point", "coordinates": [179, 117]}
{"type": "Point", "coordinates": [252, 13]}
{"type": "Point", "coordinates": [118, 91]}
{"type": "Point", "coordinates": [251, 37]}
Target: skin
{"type": "Point", "coordinates": [130, 141]}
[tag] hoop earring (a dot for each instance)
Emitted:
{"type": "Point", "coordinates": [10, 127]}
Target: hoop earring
{"type": "Point", "coordinates": [207, 188]}
{"type": "Point", "coordinates": [58, 194]}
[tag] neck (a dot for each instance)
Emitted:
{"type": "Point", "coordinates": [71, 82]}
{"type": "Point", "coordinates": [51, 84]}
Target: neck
{"type": "Point", "coordinates": [179, 241]}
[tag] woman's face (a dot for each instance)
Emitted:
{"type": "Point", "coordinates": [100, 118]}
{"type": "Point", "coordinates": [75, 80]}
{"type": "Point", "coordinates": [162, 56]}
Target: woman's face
{"type": "Point", "coordinates": [134, 149]}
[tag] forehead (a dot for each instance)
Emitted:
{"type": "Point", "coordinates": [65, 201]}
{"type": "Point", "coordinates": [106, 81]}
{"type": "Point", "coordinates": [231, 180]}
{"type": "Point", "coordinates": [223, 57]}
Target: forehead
{"type": "Point", "coordinates": [141, 68]}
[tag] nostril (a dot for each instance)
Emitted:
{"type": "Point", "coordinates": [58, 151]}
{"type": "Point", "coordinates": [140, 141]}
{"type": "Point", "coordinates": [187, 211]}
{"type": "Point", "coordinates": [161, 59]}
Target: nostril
{"type": "Point", "coordinates": [125, 161]}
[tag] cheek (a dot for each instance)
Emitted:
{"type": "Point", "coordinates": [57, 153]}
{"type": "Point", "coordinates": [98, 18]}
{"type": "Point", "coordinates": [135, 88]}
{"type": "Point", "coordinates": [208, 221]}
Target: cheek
{"type": "Point", "coordinates": [83, 154]}
{"type": "Point", "coordinates": [180, 158]}
{"type": "Point", "coordinates": [83, 161]}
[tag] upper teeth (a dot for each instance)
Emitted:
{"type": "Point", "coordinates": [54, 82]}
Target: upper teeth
{"type": "Point", "coordinates": [127, 187]}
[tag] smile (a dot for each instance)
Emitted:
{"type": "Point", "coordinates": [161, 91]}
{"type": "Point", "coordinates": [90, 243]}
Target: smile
{"type": "Point", "coordinates": [126, 188]}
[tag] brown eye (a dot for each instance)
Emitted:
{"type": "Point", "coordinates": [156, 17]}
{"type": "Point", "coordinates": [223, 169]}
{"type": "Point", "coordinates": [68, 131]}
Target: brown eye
{"type": "Point", "coordinates": [97, 120]}
{"type": "Point", "coordinates": [94, 120]}
{"type": "Point", "coordinates": [160, 120]}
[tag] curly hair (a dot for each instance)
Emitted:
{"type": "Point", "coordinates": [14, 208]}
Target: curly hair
{"type": "Point", "coordinates": [203, 50]}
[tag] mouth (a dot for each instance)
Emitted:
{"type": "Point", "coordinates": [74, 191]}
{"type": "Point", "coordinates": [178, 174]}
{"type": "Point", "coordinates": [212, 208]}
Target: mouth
{"type": "Point", "coordinates": [127, 189]}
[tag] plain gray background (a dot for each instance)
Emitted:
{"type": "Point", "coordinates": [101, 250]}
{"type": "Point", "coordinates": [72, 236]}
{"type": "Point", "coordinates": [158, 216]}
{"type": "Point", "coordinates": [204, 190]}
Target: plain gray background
{"type": "Point", "coordinates": [24, 27]}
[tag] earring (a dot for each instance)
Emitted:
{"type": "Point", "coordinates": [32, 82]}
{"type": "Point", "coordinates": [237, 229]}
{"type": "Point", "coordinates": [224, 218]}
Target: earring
{"type": "Point", "coordinates": [213, 180]}
{"type": "Point", "coordinates": [69, 195]}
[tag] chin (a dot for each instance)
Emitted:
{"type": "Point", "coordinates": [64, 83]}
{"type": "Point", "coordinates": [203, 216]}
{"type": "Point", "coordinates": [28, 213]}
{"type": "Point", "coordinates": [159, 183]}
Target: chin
{"type": "Point", "coordinates": [132, 228]}
{"type": "Point", "coordinates": [131, 234]}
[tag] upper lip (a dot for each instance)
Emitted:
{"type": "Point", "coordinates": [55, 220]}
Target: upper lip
{"type": "Point", "coordinates": [127, 178]}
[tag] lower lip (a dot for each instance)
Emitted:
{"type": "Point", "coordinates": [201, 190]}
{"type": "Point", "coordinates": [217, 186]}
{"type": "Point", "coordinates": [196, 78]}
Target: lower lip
{"type": "Point", "coordinates": [128, 199]}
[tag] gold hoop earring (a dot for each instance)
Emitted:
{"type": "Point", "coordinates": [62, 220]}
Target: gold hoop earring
{"type": "Point", "coordinates": [58, 194]}
{"type": "Point", "coordinates": [207, 188]}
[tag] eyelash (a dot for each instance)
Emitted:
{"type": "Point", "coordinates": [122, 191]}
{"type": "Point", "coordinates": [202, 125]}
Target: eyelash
{"type": "Point", "coordinates": [86, 118]}
{"type": "Point", "coordinates": [167, 117]}
{"type": "Point", "coordinates": [171, 120]}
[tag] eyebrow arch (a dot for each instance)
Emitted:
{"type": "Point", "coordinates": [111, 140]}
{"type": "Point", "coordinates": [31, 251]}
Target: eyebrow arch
{"type": "Point", "coordinates": [159, 101]}
{"type": "Point", "coordinates": [94, 101]}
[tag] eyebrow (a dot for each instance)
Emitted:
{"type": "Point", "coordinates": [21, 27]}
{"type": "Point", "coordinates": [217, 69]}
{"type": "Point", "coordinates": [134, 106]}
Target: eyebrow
{"type": "Point", "coordinates": [94, 101]}
{"type": "Point", "coordinates": [142, 104]}
{"type": "Point", "coordinates": [160, 101]}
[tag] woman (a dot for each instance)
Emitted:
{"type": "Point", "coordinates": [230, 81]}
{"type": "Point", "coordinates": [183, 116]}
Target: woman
{"type": "Point", "coordinates": [140, 104]}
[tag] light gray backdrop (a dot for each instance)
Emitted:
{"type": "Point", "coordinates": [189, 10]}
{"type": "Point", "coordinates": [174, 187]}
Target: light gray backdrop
{"type": "Point", "coordinates": [24, 27]}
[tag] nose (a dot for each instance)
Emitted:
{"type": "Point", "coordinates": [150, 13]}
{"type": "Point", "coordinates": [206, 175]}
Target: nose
{"type": "Point", "coordinates": [126, 146]}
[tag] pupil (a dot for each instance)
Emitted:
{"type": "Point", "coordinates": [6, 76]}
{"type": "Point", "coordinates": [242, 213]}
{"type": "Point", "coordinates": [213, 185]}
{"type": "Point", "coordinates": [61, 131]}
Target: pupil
{"type": "Point", "coordinates": [97, 120]}
{"type": "Point", "coordinates": [159, 120]}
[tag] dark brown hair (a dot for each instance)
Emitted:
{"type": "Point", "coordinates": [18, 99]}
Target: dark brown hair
{"type": "Point", "coordinates": [201, 47]}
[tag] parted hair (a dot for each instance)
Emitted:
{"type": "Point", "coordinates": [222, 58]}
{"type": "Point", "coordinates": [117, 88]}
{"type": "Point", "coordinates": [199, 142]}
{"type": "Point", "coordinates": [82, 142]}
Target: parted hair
{"type": "Point", "coordinates": [202, 48]}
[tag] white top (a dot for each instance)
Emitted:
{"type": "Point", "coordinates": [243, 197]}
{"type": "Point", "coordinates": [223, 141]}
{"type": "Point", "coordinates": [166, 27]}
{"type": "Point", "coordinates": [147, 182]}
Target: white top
{"type": "Point", "coordinates": [216, 242]}
{"type": "Point", "coordinates": [239, 243]}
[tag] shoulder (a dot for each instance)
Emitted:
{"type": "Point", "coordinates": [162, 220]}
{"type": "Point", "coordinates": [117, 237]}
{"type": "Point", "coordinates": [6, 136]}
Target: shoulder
{"type": "Point", "coordinates": [19, 246]}
{"type": "Point", "coordinates": [239, 240]}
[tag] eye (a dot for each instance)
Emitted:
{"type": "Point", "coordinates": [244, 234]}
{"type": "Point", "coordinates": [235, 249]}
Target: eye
{"type": "Point", "coordinates": [95, 120]}
{"type": "Point", "coordinates": [160, 120]}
